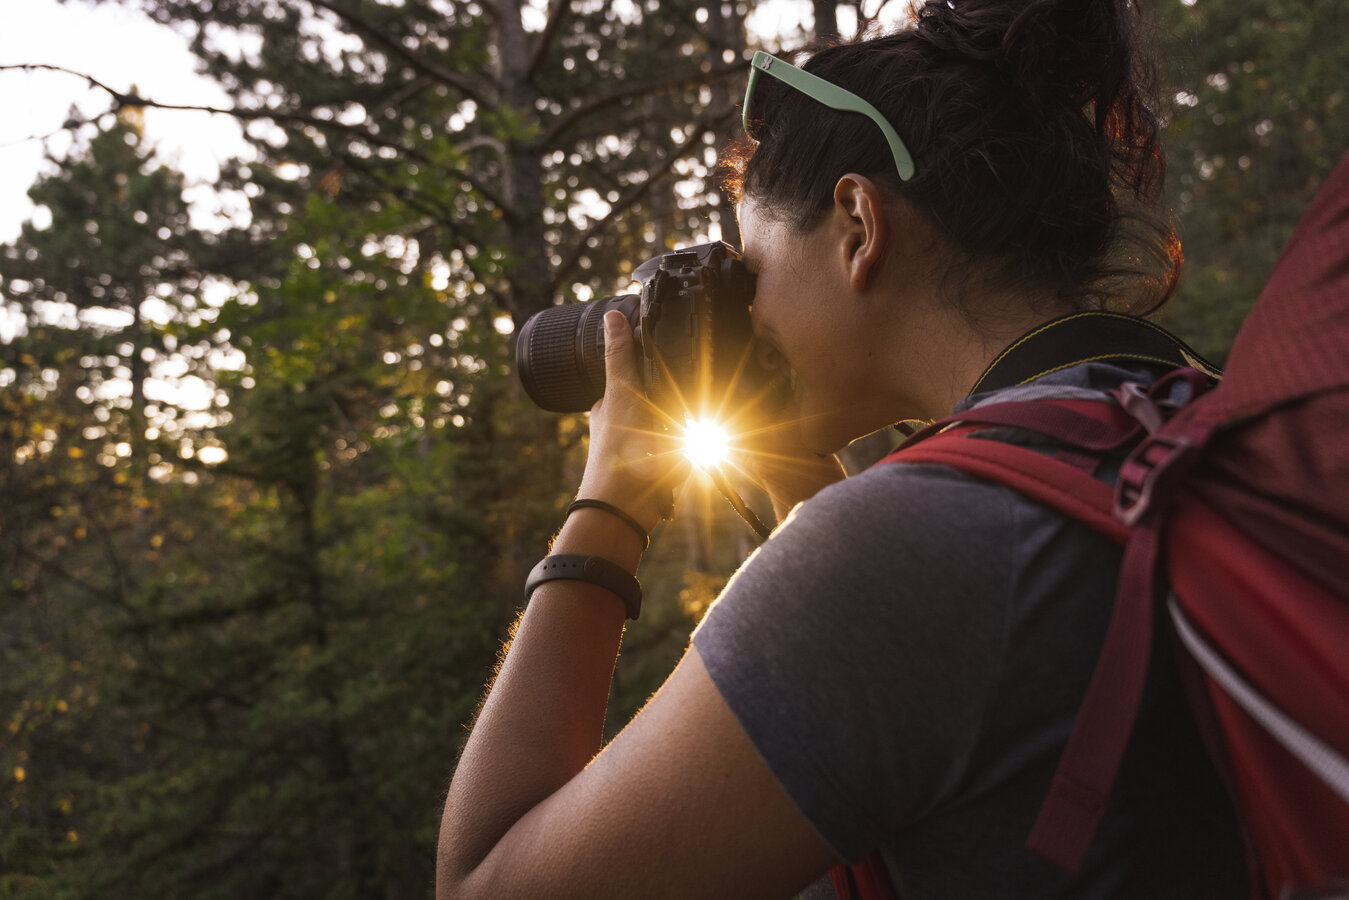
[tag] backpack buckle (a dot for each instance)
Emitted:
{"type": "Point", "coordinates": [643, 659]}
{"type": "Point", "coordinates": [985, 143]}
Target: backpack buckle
{"type": "Point", "coordinates": [1169, 450]}
{"type": "Point", "coordinates": [1140, 403]}
{"type": "Point", "coordinates": [1153, 406]}
{"type": "Point", "coordinates": [1149, 470]}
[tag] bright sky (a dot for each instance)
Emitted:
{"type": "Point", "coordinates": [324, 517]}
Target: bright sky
{"type": "Point", "coordinates": [122, 48]}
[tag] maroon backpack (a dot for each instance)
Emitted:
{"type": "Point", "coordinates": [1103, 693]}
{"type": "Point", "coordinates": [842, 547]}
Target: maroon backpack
{"type": "Point", "coordinates": [1233, 510]}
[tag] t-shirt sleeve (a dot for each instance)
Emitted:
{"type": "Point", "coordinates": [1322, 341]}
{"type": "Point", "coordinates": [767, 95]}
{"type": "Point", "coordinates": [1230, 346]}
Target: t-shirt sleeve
{"type": "Point", "coordinates": [859, 645]}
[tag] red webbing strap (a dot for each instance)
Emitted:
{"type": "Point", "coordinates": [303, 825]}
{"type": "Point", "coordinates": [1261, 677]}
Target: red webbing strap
{"type": "Point", "coordinates": [868, 880]}
{"type": "Point", "coordinates": [1083, 424]}
{"type": "Point", "coordinates": [1077, 797]}
{"type": "Point", "coordinates": [1037, 475]}
{"type": "Point", "coordinates": [845, 887]}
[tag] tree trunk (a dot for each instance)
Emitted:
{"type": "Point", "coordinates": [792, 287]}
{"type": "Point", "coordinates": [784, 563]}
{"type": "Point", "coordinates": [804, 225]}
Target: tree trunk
{"type": "Point", "coordinates": [826, 20]}
{"type": "Point", "coordinates": [140, 461]}
{"type": "Point", "coordinates": [539, 475]}
{"type": "Point", "coordinates": [726, 35]}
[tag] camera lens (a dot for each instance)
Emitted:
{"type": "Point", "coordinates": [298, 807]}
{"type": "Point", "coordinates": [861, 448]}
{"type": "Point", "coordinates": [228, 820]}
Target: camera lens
{"type": "Point", "coordinates": [560, 353]}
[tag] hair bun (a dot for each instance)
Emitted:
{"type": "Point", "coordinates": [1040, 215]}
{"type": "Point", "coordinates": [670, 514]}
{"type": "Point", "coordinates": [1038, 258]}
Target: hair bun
{"type": "Point", "coordinates": [1074, 50]}
{"type": "Point", "coordinates": [1034, 132]}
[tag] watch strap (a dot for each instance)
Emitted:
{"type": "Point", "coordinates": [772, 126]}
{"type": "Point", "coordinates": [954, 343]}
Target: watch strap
{"type": "Point", "coordinates": [594, 570]}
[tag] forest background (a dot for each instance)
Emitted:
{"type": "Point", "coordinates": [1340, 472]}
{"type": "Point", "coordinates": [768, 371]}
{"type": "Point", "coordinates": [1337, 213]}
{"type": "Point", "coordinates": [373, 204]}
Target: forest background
{"type": "Point", "coordinates": [243, 626]}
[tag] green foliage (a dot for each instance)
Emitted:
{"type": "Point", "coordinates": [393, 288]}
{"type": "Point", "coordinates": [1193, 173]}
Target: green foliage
{"type": "Point", "coordinates": [95, 290]}
{"type": "Point", "coordinates": [1256, 126]}
{"type": "Point", "coordinates": [552, 155]}
{"type": "Point", "coordinates": [218, 663]}
{"type": "Point", "coordinates": [246, 672]}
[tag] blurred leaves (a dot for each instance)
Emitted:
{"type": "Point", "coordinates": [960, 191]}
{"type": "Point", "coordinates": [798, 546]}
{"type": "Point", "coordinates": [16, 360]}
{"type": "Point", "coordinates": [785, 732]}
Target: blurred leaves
{"type": "Point", "coordinates": [1256, 125]}
{"type": "Point", "coordinates": [250, 629]}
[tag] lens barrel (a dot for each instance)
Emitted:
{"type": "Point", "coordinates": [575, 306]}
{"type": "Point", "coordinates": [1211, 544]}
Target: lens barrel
{"type": "Point", "coordinates": [560, 353]}
{"type": "Point", "coordinates": [691, 324]}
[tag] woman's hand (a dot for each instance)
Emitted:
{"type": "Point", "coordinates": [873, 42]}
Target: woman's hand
{"type": "Point", "coordinates": [768, 446]}
{"type": "Point", "coordinates": [775, 457]}
{"type": "Point", "coordinates": [630, 463]}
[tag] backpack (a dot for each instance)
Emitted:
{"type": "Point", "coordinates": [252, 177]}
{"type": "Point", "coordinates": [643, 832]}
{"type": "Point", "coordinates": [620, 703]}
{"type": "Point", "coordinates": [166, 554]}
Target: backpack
{"type": "Point", "coordinates": [1234, 501]}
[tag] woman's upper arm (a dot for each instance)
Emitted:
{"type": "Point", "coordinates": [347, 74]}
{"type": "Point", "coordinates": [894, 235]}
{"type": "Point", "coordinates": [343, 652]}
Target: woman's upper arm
{"type": "Point", "coordinates": [680, 804]}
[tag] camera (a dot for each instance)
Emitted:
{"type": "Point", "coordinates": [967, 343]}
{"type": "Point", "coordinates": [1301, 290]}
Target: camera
{"type": "Point", "coordinates": [692, 326]}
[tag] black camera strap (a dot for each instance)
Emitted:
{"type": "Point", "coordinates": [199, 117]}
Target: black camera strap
{"type": "Point", "coordinates": [1088, 337]}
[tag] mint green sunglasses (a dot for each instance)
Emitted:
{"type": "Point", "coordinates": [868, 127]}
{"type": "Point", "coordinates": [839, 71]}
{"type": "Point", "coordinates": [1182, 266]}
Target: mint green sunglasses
{"type": "Point", "coordinates": [831, 95]}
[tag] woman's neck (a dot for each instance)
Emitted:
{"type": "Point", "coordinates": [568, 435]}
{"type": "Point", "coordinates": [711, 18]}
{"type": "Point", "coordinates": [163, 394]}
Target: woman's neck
{"type": "Point", "coordinates": [945, 350]}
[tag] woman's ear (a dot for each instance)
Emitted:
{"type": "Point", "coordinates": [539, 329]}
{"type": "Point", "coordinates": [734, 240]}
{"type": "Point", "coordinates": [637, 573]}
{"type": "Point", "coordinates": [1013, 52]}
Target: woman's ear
{"type": "Point", "coordinates": [863, 228]}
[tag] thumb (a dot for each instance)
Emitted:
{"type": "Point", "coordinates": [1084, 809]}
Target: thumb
{"type": "Point", "coordinates": [620, 365]}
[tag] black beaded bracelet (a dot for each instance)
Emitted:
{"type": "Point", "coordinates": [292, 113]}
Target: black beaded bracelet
{"type": "Point", "coordinates": [613, 511]}
{"type": "Point", "coordinates": [594, 570]}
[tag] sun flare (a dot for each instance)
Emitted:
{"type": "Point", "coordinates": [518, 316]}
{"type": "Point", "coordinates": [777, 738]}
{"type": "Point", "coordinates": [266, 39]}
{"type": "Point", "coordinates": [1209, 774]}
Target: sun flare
{"type": "Point", "coordinates": [706, 444]}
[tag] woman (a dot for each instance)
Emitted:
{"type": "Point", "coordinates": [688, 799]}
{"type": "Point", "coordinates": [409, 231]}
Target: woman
{"type": "Point", "coordinates": [895, 672]}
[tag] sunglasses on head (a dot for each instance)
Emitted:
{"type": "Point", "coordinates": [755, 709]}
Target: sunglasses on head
{"type": "Point", "coordinates": [831, 95]}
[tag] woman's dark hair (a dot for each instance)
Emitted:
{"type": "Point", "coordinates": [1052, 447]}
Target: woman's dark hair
{"type": "Point", "coordinates": [1033, 131]}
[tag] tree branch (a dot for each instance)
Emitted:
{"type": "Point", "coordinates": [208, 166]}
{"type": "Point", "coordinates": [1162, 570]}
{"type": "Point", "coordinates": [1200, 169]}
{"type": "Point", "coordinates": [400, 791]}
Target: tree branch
{"type": "Point", "coordinates": [651, 87]}
{"type": "Point", "coordinates": [121, 100]}
{"type": "Point", "coordinates": [475, 92]}
{"type": "Point", "coordinates": [634, 194]}
{"type": "Point", "coordinates": [483, 140]}
{"type": "Point", "coordinates": [556, 13]}
{"type": "Point", "coordinates": [443, 218]}
{"type": "Point", "coordinates": [52, 568]}
{"type": "Point", "coordinates": [475, 183]}
{"type": "Point", "coordinates": [355, 131]}
{"type": "Point", "coordinates": [491, 196]}
{"type": "Point", "coordinates": [402, 95]}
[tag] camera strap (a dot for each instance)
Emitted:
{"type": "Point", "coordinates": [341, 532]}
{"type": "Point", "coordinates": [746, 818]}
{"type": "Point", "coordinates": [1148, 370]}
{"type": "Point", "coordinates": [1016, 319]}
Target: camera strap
{"type": "Point", "coordinates": [1088, 337]}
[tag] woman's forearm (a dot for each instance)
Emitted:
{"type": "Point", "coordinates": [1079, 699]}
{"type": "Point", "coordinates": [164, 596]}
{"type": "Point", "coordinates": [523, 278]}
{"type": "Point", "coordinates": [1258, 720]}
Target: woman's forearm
{"type": "Point", "coordinates": [543, 719]}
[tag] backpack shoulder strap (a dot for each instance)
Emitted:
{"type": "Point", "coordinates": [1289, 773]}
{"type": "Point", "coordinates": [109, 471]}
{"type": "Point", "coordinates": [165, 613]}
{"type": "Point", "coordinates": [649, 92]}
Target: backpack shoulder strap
{"type": "Point", "coordinates": [1037, 475]}
{"type": "Point", "coordinates": [1076, 801]}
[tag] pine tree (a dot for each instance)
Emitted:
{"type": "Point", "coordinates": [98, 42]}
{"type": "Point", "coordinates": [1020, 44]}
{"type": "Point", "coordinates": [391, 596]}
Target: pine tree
{"type": "Point", "coordinates": [100, 287]}
{"type": "Point", "coordinates": [99, 292]}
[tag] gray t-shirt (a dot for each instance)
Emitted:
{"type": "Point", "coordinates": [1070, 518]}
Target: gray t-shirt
{"type": "Point", "coordinates": [908, 651]}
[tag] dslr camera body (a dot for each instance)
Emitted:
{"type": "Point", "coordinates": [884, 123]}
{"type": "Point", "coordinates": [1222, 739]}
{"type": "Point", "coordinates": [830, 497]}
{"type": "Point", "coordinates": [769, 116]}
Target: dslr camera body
{"type": "Point", "coordinates": [692, 326]}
